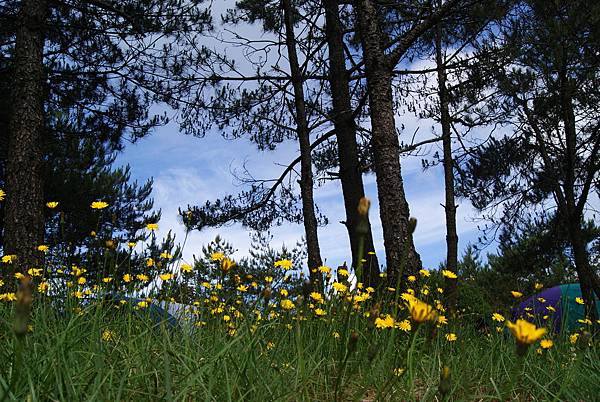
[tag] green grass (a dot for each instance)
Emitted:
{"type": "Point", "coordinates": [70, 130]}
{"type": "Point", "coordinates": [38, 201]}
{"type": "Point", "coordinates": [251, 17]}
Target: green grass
{"type": "Point", "coordinates": [65, 358]}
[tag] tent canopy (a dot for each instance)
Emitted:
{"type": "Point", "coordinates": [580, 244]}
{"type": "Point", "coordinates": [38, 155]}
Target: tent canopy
{"type": "Point", "coordinates": [557, 305]}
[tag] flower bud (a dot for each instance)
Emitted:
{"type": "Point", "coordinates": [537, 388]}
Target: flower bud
{"type": "Point", "coordinates": [363, 206]}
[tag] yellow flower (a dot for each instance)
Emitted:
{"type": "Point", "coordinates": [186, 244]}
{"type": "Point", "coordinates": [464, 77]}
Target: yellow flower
{"type": "Point", "coordinates": [8, 297]}
{"type": "Point", "coordinates": [152, 227]}
{"type": "Point", "coordinates": [78, 294]}
{"type": "Point", "coordinates": [217, 256]}
{"type": "Point", "coordinates": [142, 304]}
{"type": "Point", "coordinates": [127, 278]}
{"type": "Point", "coordinates": [270, 345]}
{"type": "Point", "coordinates": [227, 264]}
{"type": "Point", "coordinates": [285, 264]}
{"type": "Point", "coordinates": [2, 195]}
{"type": "Point", "coordinates": [551, 308]}
{"type": "Point", "coordinates": [131, 244]}
{"type": "Point", "coordinates": [449, 274]}
{"type": "Point", "coordinates": [52, 204]}
{"type": "Point", "coordinates": [440, 290]}
{"type": "Point", "coordinates": [498, 317]}
{"type": "Point", "coordinates": [34, 272]}
{"type": "Point", "coordinates": [404, 326]}
{"type": "Point", "coordinates": [268, 279]}
{"type": "Point", "coordinates": [335, 334]}
{"type": "Point", "coordinates": [579, 300]}
{"type": "Point", "coordinates": [186, 268]}
{"type": "Point", "coordinates": [43, 287]}
{"type": "Point", "coordinates": [242, 288]}
{"type": "Point", "coordinates": [541, 300]}
{"type": "Point", "coordinates": [142, 277]}
{"type": "Point", "coordinates": [399, 371]}
{"type": "Point", "coordinates": [81, 280]}
{"type": "Point", "coordinates": [516, 294]}
{"type": "Point", "coordinates": [287, 304]}
{"type": "Point", "coordinates": [386, 322]}
{"type": "Point", "coordinates": [586, 321]}
{"type": "Point", "coordinates": [320, 312]}
{"type": "Point", "coordinates": [107, 280]}
{"type": "Point", "coordinates": [165, 255]}
{"type": "Point", "coordinates": [9, 259]}
{"type": "Point", "coordinates": [412, 278]}
{"type": "Point", "coordinates": [342, 272]}
{"type": "Point", "coordinates": [324, 269]}
{"type": "Point", "coordinates": [339, 287]}
{"type": "Point", "coordinates": [108, 335]}
{"type": "Point", "coordinates": [442, 320]}
{"type": "Point", "coordinates": [573, 338]}
{"type": "Point", "coordinates": [525, 332]}
{"type": "Point", "coordinates": [166, 277]}
{"type": "Point", "coordinates": [538, 286]}
{"type": "Point", "coordinates": [421, 311]}
{"type": "Point", "coordinates": [43, 248]}
{"type": "Point", "coordinates": [425, 273]}
{"type": "Point", "coordinates": [98, 205]}
{"type": "Point", "coordinates": [451, 337]}
{"type": "Point", "coordinates": [283, 293]}
{"type": "Point", "coordinates": [546, 343]}
{"type": "Point", "coordinates": [316, 296]}
{"type": "Point", "coordinates": [19, 275]}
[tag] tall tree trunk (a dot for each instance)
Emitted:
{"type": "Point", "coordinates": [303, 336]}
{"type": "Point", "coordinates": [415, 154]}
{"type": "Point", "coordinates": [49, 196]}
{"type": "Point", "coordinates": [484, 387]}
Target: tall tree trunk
{"type": "Point", "coordinates": [584, 271]}
{"type": "Point", "coordinates": [345, 131]}
{"type": "Point", "coordinates": [401, 257]}
{"type": "Point", "coordinates": [450, 205]}
{"type": "Point", "coordinates": [574, 217]}
{"type": "Point", "coordinates": [24, 220]}
{"type": "Point", "coordinates": [306, 175]}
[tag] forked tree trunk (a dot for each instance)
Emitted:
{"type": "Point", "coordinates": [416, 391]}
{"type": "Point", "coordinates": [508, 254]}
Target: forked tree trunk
{"type": "Point", "coordinates": [401, 257]}
{"type": "Point", "coordinates": [23, 219]}
{"type": "Point", "coordinates": [451, 288]}
{"type": "Point", "coordinates": [306, 175]}
{"type": "Point", "coordinates": [345, 131]}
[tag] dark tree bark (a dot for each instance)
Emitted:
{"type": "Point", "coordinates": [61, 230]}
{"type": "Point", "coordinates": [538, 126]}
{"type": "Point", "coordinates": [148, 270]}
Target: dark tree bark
{"type": "Point", "coordinates": [306, 175]}
{"type": "Point", "coordinates": [451, 288]}
{"type": "Point", "coordinates": [401, 256]}
{"type": "Point", "coordinates": [345, 131]}
{"type": "Point", "coordinates": [24, 220]}
{"type": "Point", "coordinates": [573, 210]}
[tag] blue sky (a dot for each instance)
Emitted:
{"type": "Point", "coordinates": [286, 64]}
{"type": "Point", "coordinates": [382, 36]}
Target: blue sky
{"type": "Point", "coordinates": [189, 170]}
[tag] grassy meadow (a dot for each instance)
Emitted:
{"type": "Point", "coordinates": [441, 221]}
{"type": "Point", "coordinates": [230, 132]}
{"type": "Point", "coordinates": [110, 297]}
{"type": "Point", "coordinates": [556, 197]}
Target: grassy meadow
{"type": "Point", "coordinates": [262, 342]}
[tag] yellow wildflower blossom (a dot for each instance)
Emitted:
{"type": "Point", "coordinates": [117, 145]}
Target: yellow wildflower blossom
{"type": "Point", "coordinates": [285, 264]}
{"type": "Point", "coordinates": [386, 322]}
{"type": "Point", "coordinates": [152, 227]}
{"type": "Point", "coordinates": [449, 274]}
{"type": "Point", "coordinates": [166, 277]}
{"type": "Point", "coordinates": [421, 311]}
{"type": "Point", "coordinates": [516, 294]}
{"type": "Point", "coordinates": [339, 287]}
{"type": "Point", "coordinates": [98, 205]}
{"type": "Point", "coordinates": [525, 332]}
{"type": "Point", "coordinates": [451, 337]}
{"type": "Point", "coordinates": [287, 304]}
{"type": "Point", "coordinates": [498, 317]}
